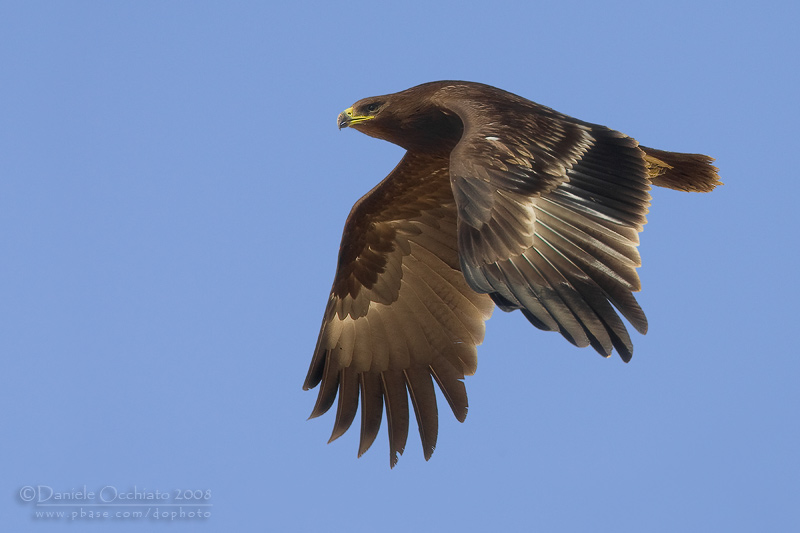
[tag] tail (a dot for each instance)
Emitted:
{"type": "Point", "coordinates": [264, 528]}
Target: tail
{"type": "Point", "coordinates": [682, 172]}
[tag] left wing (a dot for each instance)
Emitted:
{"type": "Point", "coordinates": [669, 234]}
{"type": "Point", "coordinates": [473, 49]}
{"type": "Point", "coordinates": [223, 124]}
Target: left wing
{"type": "Point", "coordinates": [400, 313]}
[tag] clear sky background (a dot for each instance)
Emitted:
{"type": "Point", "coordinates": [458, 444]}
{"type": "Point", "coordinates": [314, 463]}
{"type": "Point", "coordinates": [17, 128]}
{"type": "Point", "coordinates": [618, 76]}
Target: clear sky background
{"type": "Point", "coordinates": [172, 194]}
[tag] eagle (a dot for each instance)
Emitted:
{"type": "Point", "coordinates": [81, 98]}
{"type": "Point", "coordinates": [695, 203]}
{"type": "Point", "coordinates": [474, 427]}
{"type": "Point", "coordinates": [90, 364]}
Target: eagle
{"type": "Point", "coordinates": [497, 201]}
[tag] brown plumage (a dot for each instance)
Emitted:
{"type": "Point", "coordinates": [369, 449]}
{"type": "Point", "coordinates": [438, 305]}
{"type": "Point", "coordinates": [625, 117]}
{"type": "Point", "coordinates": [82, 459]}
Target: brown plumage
{"type": "Point", "coordinates": [498, 200]}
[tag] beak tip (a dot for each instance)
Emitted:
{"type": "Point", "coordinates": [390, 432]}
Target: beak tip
{"type": "Point", "coordinates": [345, 118]}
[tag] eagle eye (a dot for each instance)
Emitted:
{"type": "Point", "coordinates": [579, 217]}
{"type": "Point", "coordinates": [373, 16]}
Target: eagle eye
{"type": "Point", "coordinates": [371, 108]}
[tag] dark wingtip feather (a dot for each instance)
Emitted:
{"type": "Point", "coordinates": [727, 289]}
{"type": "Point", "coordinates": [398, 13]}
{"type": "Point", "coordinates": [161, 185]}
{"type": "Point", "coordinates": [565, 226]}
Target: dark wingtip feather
{"type": "Point", "coordinates": [423, 398]}
{"type": "Point", "coordinates": [348, 403]}
{"type": "Point", "coordinates": [327, 391]}
{"type": "Point", "coordinates": [452, 386]}
{"type": "Point", "coordinates": [396, 402]}
{"type": "Point", "coordinates": [371, 410]}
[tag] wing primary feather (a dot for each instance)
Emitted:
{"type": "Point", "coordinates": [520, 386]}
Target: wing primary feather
{"type": "Point", "coordinates": [572, 276]}
{"type": "Point", "coordinates": [531, 304]}
{"type": "Point", "coordinates": [371, 409]}
{"type": "Point", "coordinates": [553, 298]}
{"type": "Point", "coordinates": [317, 367]}
{"type": "Point", "coordinates": [451, 383]}
{"type": "Point", "coordinates": [423, 398]}
{"type": "Point", "coordinates": [616, 283]}
{"type": "Point", "coordinates": [328, 388]}
{"type": "Point", "coordinates": [348, 402]}
{"type": "Point", "coordinates": [396, 398]}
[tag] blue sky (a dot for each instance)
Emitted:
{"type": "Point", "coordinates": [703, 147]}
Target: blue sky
{"type": "Point", "coordinates": [172, 195]}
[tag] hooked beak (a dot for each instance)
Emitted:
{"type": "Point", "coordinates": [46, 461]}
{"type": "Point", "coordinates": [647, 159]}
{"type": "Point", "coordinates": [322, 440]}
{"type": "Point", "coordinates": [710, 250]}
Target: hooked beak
{"type": "Point", "coordinates": [348, 117]}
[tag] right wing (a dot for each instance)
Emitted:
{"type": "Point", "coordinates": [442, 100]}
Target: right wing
{"type": "Point", "coordinates": [549, 214]}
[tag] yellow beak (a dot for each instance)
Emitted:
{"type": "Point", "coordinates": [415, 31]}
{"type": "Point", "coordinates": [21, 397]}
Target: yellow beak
{"type": "Point", "coordinates": [347, 118]}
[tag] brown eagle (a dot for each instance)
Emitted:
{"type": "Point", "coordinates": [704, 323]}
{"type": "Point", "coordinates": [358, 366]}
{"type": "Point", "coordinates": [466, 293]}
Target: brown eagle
{"type": "Point", "coordinates": [497, 200]}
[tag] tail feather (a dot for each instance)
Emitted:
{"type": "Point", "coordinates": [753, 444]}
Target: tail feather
{"type": "Point", "coordinates": [682, 172]}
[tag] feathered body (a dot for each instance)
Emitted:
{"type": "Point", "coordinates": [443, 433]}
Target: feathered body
{"type": "Point", "coordinates": [498, 200]}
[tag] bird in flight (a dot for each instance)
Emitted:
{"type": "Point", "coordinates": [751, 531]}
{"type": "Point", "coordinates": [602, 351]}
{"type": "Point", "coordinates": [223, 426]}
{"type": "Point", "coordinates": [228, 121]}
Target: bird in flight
{"type": "Point", "coordinates": [497, 201]}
